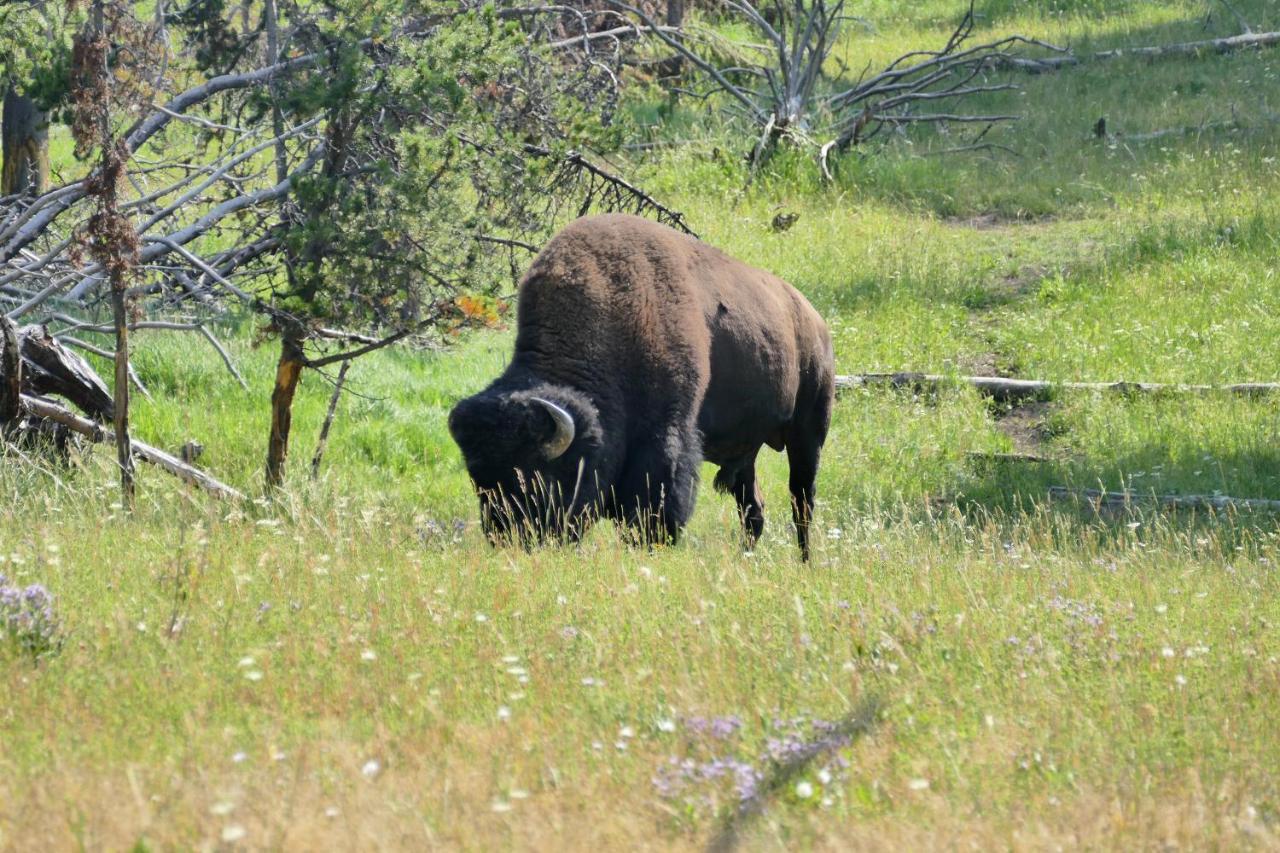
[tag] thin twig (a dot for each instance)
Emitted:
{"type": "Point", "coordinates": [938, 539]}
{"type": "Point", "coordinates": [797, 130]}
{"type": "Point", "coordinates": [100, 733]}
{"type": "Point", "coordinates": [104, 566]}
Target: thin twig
{"type": "Point", "coordinates": [323, 440]}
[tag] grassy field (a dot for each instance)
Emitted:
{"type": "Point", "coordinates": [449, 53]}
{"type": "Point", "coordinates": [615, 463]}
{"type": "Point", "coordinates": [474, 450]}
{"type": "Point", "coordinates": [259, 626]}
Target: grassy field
{"type": "Point", "coordinates": [964, 664]}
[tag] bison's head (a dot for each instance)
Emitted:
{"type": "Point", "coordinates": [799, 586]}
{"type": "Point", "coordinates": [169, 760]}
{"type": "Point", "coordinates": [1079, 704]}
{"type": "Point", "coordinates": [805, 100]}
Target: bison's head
{"type": "Point", "coordinates": [531, 455]}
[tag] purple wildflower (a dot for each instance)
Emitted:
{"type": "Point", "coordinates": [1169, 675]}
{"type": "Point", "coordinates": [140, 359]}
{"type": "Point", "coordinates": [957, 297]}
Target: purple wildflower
{"type": "Point", "coordinates": [723, 728]}
{"type": "Point", "coordinates": [27, 620]}
{"type": "Point", "coordinates": [720, 728]}
{"type": "Point", "coordinates": [1077, 611]}
{"type": "Point", "coordinates": [788, 743]}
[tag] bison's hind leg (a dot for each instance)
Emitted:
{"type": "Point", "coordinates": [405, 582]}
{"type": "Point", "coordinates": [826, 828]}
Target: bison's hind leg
{"type": "Point", "coordinates": [804, 440]}
{"type": "Point", "coordinates": [739, 479]}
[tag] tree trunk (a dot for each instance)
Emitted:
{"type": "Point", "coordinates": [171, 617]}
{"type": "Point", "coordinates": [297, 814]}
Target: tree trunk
{"type": "Point", "coordinates": [277, 117]}
{"type": "Point", "coordinates": [24, 129]}
{"type": "Point", "coordinates": [289, 368]}
{"type": "Point", "coordinates": [1112, 500]}
{"type": "Point", "coordinates": [288, 374]}
{"type": "Point", "coordinates": [124, 448]}
{"type": "Point", "coordinates": [673, 65]}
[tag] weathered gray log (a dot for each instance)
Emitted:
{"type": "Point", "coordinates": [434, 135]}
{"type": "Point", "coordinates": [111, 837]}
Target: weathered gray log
{"type": "Point", "coordinates": [1004, 389]}
{"type": "Point", "coordinates": [96, 432]}
{"type": "Point", "coordinates": [1099, 498]}
{"type": "Point", "coordinates": [983, 456]}
{"type": "Point", "coordinates": [1191, 48]}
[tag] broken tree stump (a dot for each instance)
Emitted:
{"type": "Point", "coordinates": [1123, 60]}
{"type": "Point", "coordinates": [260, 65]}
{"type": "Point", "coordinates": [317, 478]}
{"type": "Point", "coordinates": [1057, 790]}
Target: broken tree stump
{"type": "Point", "coordinates": [50, 368]}
{"type": "Point", "coordinates": [10, 374]}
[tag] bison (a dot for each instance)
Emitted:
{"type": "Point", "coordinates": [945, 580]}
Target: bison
{"type": "Point", "coordinates": [641, 351]}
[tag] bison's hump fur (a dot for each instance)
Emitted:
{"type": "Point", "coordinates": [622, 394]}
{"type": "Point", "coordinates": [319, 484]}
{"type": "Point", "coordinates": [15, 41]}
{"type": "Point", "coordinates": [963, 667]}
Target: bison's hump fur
{"type": "Point", "coordinates": [665, 351]}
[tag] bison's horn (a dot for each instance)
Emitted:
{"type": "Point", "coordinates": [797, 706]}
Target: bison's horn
{"type": "Point", "coordinates": [565, 430]}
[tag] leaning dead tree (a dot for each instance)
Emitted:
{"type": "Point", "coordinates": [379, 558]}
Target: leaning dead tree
{"type": "Point", "coordinates": [99, 86]}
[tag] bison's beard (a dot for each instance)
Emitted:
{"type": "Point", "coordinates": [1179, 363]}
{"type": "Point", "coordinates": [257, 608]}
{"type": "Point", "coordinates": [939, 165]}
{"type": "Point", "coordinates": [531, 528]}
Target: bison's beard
{"type": "Point", "coordinates": [529, 512]}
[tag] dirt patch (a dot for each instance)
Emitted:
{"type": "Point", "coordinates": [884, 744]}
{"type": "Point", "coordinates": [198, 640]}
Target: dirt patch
{"type": "Point", "coordinates": [982, 364]}
{"type": "Point", "coordinates": [1026, 280]}
{"type": "Point", "coordinates": [992, 219]}
{"type": "Point", "coordinates": [988, 363]}
{"type": "Point", "coordinates": [1026, 426]}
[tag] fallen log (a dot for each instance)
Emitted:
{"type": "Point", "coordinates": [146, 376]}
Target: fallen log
{"type": "Point", "coordinates": [1191, 48]}
{"type": "Point", "coordinates": [98, 433]}
{"type": "Point", "coordinates": [1007, 390]}
{"type": "Point", "coordinates": [984, 456]}
{"type": "Point", "coordinates": [1099, 498]}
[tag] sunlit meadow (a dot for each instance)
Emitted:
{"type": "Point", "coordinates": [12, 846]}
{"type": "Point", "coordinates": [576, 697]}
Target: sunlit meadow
{"type": "Point", "coordinates": [965, 663]}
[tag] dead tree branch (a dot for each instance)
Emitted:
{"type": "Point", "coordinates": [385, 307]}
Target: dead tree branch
{"type": "Point", "coordinates": [101, 353]}
{"type": "Point", "coordinates": [164, 325]}
{"type": "Point", "coordinates": [610, 191]}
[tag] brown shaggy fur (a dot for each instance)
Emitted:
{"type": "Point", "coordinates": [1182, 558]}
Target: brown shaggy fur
{"type": "Point", "coordinates": [665, 351]}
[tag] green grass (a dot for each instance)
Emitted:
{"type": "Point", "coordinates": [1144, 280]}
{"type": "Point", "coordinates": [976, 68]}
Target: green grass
{"type": "Point", "coordinates": [1045, 676]}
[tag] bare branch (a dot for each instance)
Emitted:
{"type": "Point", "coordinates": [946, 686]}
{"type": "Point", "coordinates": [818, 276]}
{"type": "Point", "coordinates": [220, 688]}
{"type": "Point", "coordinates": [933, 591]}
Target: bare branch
{"type": "Point", "coordinates": [359, 351]}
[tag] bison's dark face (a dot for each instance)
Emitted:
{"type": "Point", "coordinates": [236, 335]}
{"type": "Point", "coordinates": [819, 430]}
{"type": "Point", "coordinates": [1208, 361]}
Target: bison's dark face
{"type": "Point", "coordinates": [529, 456]}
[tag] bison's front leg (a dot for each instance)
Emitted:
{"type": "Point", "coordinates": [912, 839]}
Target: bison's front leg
{"type": "Point", "coordinates": [659, 487]}
{"type": "Point", "coordinates": [746, 491]}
